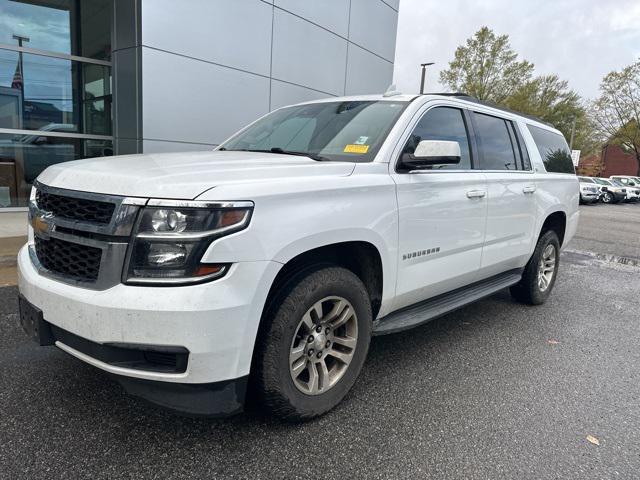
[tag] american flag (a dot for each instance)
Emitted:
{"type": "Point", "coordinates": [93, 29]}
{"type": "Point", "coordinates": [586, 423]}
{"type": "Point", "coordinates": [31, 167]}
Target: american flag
{"type": "Point", "coordinates": [17, 78]}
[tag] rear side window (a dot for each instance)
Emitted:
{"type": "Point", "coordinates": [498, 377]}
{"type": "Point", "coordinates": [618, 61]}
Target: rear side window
{"type": "Point", "coordinates": [496, 147]}
{"type": "Point", "coordinates": [553, 149]}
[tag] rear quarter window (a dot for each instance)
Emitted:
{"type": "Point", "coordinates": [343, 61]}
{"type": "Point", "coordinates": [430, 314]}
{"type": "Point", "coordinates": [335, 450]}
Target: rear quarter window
{"type": "Point", "coordinates": [553, 149]}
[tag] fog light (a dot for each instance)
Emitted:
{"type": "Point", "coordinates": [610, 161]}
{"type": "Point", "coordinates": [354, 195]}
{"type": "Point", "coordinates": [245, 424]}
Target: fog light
{"type": "Point", "coordinates": [166, 255]}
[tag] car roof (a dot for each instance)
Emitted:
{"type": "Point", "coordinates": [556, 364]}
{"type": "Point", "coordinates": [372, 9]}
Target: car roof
{"type": "Point", "coordinates": [461, 97]}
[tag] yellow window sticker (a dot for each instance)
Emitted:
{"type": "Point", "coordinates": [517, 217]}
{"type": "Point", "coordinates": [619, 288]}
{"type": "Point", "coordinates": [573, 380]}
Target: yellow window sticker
{"type": "Point", "coordinates": [352, 148]}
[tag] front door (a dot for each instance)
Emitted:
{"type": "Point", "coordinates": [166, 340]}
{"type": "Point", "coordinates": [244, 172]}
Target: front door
{"type": "Point", "coordinates": [442, 213]}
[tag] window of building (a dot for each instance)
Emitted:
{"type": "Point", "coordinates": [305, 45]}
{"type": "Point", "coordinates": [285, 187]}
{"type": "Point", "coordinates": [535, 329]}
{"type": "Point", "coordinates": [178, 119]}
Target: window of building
{"type": "Point", "coordinates": [54, 81]}
{"type": "Point", "coordinates": [495, 142]}
{"type": "Point", "coordinates": [553, 149]}
{"type": "Point", "coordinates": [442, 123]}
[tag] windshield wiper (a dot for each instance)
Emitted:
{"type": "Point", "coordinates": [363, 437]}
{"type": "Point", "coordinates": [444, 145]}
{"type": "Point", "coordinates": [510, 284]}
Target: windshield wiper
{"type": "Point", "coordinates": [281, 151]}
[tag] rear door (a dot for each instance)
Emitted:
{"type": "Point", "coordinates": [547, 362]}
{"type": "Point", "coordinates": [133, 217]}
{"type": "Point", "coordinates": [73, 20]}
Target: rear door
{"type": "Point", "coordinates": [442, 212]}
{"type": "Point", "coordinates": [511, 193]}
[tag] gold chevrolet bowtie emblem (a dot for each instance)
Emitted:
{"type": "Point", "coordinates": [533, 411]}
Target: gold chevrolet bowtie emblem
{"type": "Point", "coordinates": [40, 225]}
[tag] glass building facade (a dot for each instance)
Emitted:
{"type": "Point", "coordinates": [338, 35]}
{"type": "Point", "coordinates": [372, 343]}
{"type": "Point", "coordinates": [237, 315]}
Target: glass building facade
{"type": "Point", "coordinates": [91, 78]}
{"type": "Point", "coordinates": [55, 88]}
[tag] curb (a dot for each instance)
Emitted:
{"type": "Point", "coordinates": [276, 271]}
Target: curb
{"type": "Point", "coordinates": [9, 247]}
{"type": "Point", "coordinates": [8, 261]}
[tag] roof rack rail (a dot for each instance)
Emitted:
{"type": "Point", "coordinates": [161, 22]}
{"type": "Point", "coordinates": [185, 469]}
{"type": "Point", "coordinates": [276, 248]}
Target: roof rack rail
{"type": "Point", "coordinates": [469, 98]}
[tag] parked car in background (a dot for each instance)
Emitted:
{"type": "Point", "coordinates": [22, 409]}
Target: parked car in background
{"type": "Point", "coordinates": [632, 184]}
{"type": "Point", "coordinates": [611, 192]}
{"type": "Point", "coordinates": [589, 190]}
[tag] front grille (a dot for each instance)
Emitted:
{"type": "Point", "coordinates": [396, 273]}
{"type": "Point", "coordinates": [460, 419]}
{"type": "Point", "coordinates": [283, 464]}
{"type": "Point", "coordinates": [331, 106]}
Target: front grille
{"type": "Point", "coordinates": [72, 208]}
{"type": "Point", "coordinates": [79, 262]}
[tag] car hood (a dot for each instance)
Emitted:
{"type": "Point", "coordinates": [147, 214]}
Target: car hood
{"type": "Point", "coordinates": [183, 175]}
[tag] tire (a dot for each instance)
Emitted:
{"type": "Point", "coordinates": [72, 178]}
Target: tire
{"type": "Point", "coordinates": [284, 331]}
{"type": "Point", "coordinates": [607, 197]}
{"type": "Point", "coordinates": [529, 290]}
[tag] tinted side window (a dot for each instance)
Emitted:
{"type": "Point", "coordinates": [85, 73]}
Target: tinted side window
{"type": "Point", "coordinates": [553, 149]}
{"type": "Point", "coordinates": [526, 161]}
{"type": "Point", "coordinates": [496, 149]}
{"type": "Point", "coordinates": [442, 123]}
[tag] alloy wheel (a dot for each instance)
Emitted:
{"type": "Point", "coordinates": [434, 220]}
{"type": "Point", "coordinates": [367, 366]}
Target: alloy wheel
{"type": "Point", "coordinates": [546, 267]}
{"type": "Point", "coordinates": [323, 345]}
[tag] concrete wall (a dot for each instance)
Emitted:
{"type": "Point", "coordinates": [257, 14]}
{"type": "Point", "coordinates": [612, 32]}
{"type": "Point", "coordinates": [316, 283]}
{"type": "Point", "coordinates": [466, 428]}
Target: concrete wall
{"type": "Point", "coordinates": [209, 67]}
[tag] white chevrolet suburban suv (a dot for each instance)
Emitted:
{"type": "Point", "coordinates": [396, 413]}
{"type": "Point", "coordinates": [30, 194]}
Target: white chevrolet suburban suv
{"type": "Point", "coordinates": [258, 272]}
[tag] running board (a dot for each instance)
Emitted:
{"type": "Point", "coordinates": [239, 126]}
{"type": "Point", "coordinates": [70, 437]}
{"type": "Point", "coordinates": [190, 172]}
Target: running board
{"type": "Point", "coordinates": [432, 308]}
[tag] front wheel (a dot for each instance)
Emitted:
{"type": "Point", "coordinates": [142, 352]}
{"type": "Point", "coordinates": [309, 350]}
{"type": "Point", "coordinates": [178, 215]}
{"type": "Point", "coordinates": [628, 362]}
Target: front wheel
{"type": "Point", "coordinates": [607, 197]}
{"type": "Point", "coordinates": [313, 343]}
{"type": "Point", "coordinates": [540, 273]}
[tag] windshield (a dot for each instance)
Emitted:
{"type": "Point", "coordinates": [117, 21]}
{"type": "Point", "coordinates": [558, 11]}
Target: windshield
{"type": "Point", "coordinates": [617, 183]}
{"type": "Point", "coordinates": [586, 180]}
{"type": "Point", "coordinates": [343, 131]}
{"type": "Point", "coordinates": [602, 181]}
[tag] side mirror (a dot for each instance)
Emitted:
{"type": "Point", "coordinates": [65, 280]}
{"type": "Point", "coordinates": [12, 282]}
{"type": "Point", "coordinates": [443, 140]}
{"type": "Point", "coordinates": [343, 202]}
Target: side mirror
{"type": "Point", "coordinates": [430, 153]}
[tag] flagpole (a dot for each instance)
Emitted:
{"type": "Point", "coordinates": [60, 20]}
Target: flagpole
{"type": "Point", "coordinates": [21, 39]}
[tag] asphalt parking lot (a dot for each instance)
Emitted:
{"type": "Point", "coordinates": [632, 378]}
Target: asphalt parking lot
{"type": "Point", "coordinates": [496, 390]}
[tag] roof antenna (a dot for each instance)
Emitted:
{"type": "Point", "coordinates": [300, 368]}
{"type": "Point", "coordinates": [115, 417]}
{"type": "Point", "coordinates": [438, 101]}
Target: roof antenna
{"type": "Point", "coordinates": [391, 91]}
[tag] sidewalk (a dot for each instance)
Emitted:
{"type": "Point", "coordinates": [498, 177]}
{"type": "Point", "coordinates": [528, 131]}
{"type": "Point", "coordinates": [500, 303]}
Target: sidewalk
{"type": "Point", "coordinates": [13, 235]}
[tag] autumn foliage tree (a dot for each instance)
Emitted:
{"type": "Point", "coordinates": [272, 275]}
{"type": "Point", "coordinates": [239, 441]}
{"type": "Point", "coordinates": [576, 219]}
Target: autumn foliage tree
{"type": "Point", "coordinates": [616, 112]}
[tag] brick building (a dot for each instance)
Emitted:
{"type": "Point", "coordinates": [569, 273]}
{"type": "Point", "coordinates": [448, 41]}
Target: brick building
{"type": "Point", "coordinates": [612, 160]}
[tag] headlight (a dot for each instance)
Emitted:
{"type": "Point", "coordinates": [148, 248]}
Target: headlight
{"type": "Point", "coordinates": [171, 236]}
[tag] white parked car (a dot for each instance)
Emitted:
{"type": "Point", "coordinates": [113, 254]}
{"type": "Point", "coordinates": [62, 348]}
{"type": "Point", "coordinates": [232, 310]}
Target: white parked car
{"type": "Point", "coordinates": [632, 185]}
{"type": "Point", "coordinates": [612, 192]}
{"type": "Point", "coordinates": [589, 190]}
{"type": "Point", "coordinates": [267, 264]}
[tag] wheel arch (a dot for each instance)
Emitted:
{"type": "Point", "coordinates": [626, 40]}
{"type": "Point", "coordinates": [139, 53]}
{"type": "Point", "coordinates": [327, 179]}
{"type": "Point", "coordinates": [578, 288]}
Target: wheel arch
{"type": "Point", "coordinates": [556, 221]}
{"type": "Point", "coordinates": [361, 257]}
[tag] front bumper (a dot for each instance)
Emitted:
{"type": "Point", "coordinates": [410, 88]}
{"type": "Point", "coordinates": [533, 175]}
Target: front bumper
{"type": "Point", "coordinates": [619, 196]}
{"type": "Point", "coordinates": [210, 399]}
{"type": "Point", "coordinates": [215, 322]}
{"type": "Point", "coordinates": [632, 197]}
{"type": "Point", "coordinates": [589, 197]}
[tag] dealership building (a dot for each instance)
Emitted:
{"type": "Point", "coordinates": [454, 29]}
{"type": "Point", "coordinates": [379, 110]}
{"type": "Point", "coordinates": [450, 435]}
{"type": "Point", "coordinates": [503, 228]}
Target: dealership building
{"type": "Point", "coordinates": [88, 78]}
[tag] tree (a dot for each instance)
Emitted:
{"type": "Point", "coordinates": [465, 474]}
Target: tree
{"type": "Point", "coordinates": [550, 99]}
{"type": "Point", "coordinates": [616, 113]}
{"type": "Point", "coordinates": [486, 67]}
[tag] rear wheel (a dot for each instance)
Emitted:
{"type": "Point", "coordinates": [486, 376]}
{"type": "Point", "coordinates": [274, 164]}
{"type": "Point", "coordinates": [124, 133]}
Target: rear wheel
{"type": "Point", "coordinates": [313, 343]}
{"type": "Point", "coordinates": [540, 273]}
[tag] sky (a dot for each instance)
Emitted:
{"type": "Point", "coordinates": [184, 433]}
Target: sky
{"type": "Point", "coordinates": [580, 40]}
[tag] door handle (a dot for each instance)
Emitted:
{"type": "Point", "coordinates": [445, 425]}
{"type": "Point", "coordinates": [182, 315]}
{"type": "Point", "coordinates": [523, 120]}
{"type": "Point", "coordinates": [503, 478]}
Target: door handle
{"type": "Point", "coordinates": [476, 193]}
{"type": "Point", "coordinates": [529, 189]}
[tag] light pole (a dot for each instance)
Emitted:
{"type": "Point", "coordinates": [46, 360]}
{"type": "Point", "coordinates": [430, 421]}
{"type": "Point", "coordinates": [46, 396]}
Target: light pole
{"type": "Point", "coordinates": [573, 132]}
{"type": "Point", "coordinates": [424, 69]}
